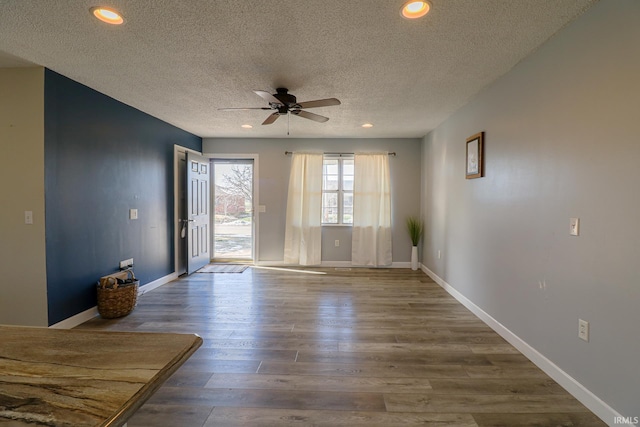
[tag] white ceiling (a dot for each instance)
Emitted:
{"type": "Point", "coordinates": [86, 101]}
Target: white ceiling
{"type": "Point", "coordinates": [182, 60]}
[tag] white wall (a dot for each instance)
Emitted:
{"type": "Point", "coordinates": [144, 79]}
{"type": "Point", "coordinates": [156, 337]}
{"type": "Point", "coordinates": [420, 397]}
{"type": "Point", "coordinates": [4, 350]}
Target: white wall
{"type": "Point", "coordinates": [23, 277]}
{"type": "Point", "coordinates": [274, 168]}
{"type": "Point", "coordinates": [562, 141]}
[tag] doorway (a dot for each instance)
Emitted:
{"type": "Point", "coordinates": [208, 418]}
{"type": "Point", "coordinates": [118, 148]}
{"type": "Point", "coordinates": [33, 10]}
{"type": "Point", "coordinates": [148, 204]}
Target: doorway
{"type": "Point", "coordinates": [233, 209]}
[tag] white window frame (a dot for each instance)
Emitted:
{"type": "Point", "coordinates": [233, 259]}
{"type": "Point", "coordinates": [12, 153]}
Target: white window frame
{"type": "Point", "coordinates": [340, 191]}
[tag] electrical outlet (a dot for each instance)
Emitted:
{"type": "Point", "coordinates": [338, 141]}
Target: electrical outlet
{"type": "Point", "coordinates": [583, 330]}
{"type": "Point", "coordinates": [126, 263]}
{"type": "Point", "coordinates": [337, 243]}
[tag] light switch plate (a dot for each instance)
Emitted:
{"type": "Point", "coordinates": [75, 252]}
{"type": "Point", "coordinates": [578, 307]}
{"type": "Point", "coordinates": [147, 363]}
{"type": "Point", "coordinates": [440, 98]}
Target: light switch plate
{"type": "Point", "coordinates": [574, 226]}
{"type": "Point", "coordinates": [262, 208]}
{"type": "Point", "coordinates": [133, 213]}
{"type": "Point", "coordinates": [28, 217]}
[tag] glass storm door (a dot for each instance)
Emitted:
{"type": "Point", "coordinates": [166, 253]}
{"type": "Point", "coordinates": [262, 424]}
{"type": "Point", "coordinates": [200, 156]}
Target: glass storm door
{"type": "Point", "coordinates": [233, 226]}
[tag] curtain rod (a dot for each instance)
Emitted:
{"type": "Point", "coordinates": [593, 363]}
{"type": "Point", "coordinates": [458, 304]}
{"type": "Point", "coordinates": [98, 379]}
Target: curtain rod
{"type": "Point", "coordinates": [286, 153]}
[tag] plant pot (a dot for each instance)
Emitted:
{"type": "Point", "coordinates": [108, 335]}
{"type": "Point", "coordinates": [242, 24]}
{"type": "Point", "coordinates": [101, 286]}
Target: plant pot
{"type": "Point", "coordinates": [414, 258]}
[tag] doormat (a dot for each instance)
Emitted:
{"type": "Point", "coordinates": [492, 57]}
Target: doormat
{"type": "Point", "coordinates": [223, 268]}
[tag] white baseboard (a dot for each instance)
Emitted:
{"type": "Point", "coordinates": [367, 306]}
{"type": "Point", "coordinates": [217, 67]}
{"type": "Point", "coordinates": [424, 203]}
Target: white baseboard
{"type": "Point", "coordinates": [401, 264]}
{"type": "Point", "coordinates": [270, 263]}
{"type": "Point", "coordinates": [157, 283]}
{"type": "Point", "coordinates": [596, 405]}
{"type": "Point", "coordinates": [76, 320]}
{"type": "Point", "coordinates": [336, 264]}
{"type": "Point", "coordinates": [330, 264]}
{"type": "Point", "coordinates": [89, 314]}
{"type": "Point", "coordinates": [339, 264]}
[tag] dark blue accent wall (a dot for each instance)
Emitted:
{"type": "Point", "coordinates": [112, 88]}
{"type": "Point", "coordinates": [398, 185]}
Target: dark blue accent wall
{"type": "Point", "coordinates": [102, 158]}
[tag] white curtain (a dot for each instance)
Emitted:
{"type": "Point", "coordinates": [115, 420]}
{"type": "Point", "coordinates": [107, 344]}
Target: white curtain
{"type": "Point", "coordinates": [371, 239]}
{"type": "Point", "coordinates": [303, 233]}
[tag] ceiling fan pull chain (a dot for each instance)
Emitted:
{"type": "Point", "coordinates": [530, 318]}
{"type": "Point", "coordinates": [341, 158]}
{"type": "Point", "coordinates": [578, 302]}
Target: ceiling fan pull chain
{"type": "Point", "coordinates": [288, 121]}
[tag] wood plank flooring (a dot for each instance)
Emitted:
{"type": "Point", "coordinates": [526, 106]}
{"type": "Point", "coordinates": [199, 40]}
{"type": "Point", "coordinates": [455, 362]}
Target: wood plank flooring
{"type": "Point", "coordinates": [365, 347]}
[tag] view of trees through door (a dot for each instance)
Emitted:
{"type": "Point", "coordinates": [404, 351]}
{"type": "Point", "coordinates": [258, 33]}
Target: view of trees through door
{"type": "Point", "coordinates": [233, 202]}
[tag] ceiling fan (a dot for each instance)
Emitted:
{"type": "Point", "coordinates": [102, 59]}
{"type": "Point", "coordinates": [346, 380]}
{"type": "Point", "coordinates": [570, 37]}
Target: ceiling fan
{"type": "Point", "coordinates": [284, 103]}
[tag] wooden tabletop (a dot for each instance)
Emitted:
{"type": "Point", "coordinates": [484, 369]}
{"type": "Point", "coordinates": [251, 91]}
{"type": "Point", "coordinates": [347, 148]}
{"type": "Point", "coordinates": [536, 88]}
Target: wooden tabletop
{"type": "Point", "coordinates": [83, 378]}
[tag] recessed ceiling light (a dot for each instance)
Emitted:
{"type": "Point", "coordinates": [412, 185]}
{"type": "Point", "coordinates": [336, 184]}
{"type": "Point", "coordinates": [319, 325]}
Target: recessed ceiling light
{"type": "Point", "coordinates": [367, 125]}
{"type": "Point", "coordinates": [415, 9]}
{"type": "Point", "coordinates": [106, 14]}
{"type": "Point", "coordinates": [247, 126]}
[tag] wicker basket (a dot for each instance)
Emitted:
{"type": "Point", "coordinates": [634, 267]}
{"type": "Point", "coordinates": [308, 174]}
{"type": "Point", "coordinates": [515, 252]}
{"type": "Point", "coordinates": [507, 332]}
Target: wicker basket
{"type": "Point", "coordinates": [116, 300]}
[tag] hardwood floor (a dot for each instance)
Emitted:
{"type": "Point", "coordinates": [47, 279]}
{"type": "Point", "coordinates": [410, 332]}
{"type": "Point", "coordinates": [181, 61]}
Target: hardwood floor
{"type": "Point", "coordinates": [343, 348]}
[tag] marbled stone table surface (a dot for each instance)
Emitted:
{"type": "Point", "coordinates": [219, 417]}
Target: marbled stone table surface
{"type": "Point", "coordinates": [53, 377]}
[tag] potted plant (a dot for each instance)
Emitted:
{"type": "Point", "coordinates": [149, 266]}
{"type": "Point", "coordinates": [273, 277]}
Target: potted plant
{"type": "Point", "coordinates": [415, 228]}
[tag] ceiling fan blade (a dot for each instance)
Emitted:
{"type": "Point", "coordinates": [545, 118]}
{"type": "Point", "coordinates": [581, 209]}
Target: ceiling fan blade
{"type": "Point", "coordinates": [310, 116]}
{"type": "Point", "coordinates": [272, 118]}
{"type": "Point", "coordinates": [244, 108]}
{"type": "Point", "coordinates": [319, 103]}
{"type": "Point", "coordinates": [267, 97]}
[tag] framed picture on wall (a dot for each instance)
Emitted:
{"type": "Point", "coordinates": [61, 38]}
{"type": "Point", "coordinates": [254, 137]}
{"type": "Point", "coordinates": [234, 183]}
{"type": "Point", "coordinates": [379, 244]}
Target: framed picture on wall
{"type": "Point", "coordinates": [475, 156]}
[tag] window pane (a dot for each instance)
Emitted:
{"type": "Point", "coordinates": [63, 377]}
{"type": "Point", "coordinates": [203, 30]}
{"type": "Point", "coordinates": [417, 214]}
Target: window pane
{"type": "Point", "coordinates": [348, 200]}
{"type": "Point", "coordinates": [347, 167]}
{"type": "Point", "coordinates": [330, 200]}
{"type": "Point", "coordinates": [330, 174]}
{"type": "Point", "coordinates": [330, 182]}
{"type": "Point", "coordinates": [330, 167]}
{"type": "Point", "coordinates": [347, 216]}
{"type": "Point", "coordinates": [347, 175]}
{"type": "Point", "coordinates": [347, 183]}
{"type": "Point", "coordinates": [347, 211]}
{"type": "Point", "coordinates": [330, 208]}
{"type": "Point", "coordinates": [330, 216]}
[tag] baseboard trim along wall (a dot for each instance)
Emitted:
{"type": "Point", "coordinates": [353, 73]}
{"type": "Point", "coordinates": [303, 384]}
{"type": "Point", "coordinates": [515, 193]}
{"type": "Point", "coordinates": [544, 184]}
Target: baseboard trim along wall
{"type": "Point", "coordinates": [157, 283]}
{"type": "Point", "coordinates": [89, 314]}
{"type": "Point", "coordinates": [577, 390]}
{"type": "Point", "coordinates": [78, 319]}
{"type": "Point", "coordinates": [330, 264]}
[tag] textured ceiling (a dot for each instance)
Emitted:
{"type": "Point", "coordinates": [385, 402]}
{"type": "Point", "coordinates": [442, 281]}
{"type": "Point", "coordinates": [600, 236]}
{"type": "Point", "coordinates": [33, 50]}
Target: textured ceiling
{"type": "Point", "coordinates": [182, 60]}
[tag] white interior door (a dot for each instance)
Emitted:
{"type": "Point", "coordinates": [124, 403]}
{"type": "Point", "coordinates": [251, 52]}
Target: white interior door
{"type": "Point", "coordinates": [198, 212]}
